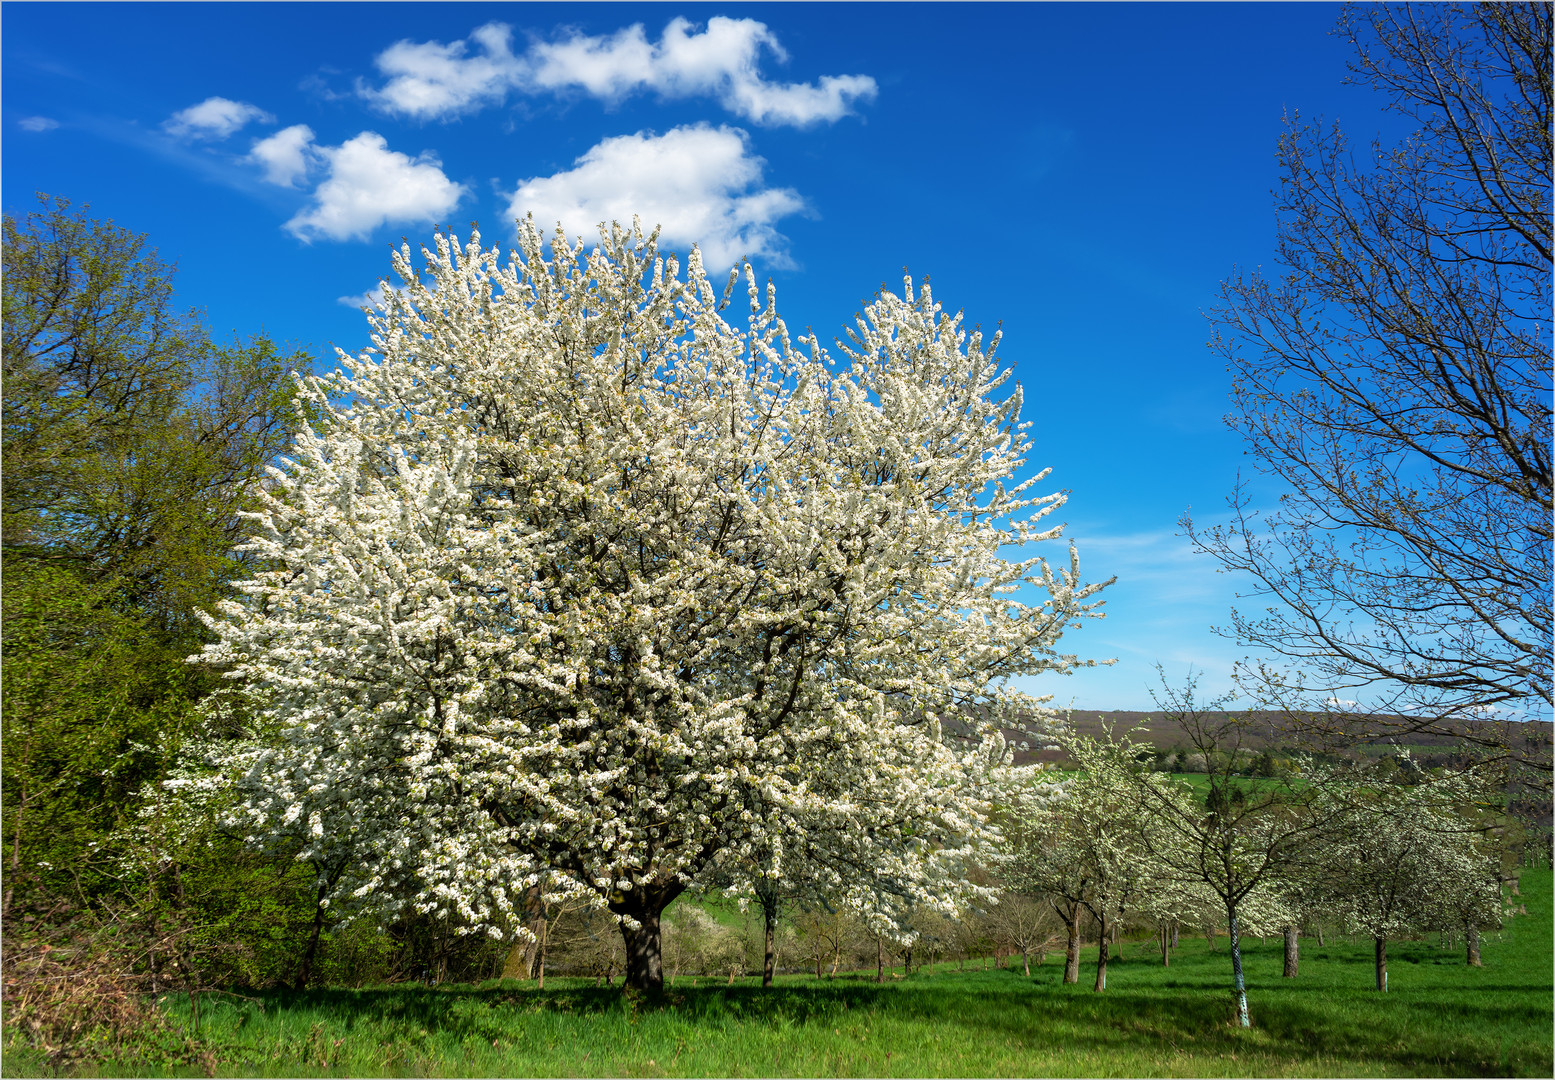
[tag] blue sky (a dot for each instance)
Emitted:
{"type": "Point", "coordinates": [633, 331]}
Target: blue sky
{"type": "Point", "coordinates": [1085, 174]}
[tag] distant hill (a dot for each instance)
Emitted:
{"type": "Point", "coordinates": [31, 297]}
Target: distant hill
{"type": "Point", "coordinates": [1269, 731]}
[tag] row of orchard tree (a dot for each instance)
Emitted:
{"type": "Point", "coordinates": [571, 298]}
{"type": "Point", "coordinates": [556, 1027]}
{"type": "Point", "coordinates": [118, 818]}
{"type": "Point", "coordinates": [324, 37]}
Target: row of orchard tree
{"type": "Point", "coordinates": [1112, 849]}
{"type": "Point", "coordinates": [1383, 852]}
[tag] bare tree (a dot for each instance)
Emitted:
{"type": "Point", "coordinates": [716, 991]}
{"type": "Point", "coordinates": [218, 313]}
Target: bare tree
{"type": "Point", "coordinates": [830, 933]}
{"type": "Point", "coordinates": [1026, 925]}
{"type": "Point", "coordinates": [1397, 378]}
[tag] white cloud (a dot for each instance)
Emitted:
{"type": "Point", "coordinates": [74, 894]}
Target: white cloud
{"type": "Point", "coordinates": [430, 80]}
{"type": "Point", "coordinates": [214, 118]}
{"type": "Point", "coordinates": [1160, 560]}
{"type": "Point", "coordinates": [370, 185]}
{"type": "Point", "coordinates": [285, 155]}
{"type": "Point", "coordinates": [605, 66]}
{"type": "Point", "coordinates": [37, 123]}
{"type": "Point", "coordinates": [700, 184]}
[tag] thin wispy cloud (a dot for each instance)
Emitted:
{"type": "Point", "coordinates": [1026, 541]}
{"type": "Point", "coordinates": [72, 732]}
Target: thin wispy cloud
{"type": "Point", "coordinates": [431, 80]}
{"type": "Point", "coordinates": [1160, 557]}
{"type": "Point", "coordinates": [700, 184]}
{"type": "Point", "coordinates": [37, 123]}
{"type": "Point", "coordinates": [214, 118]}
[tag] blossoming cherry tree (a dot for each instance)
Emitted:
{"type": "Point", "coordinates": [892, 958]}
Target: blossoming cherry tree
{"type": "Point", "coordinates": [572, 583]}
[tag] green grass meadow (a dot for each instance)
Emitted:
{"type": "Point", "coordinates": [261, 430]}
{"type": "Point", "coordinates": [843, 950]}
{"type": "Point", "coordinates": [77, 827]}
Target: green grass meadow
{"type": "Point", "coordinates": [1440, 1018]}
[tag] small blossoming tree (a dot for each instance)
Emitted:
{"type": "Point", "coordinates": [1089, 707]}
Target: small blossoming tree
{"type": "Point", "coordinates": [1411, 857]}
{"type": "Point", "coordinates": [1088, 845]}
{"type": "Point", "coordinates": [575, 585]}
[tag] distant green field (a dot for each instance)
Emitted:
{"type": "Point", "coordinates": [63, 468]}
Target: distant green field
{"type": "Point", "coordinates": [1199, 782]}
{"type": "Point", "coordinates": [1441, 1018]}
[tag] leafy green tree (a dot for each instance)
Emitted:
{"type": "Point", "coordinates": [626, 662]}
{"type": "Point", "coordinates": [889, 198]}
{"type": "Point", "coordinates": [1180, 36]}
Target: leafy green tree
{"type": "Point", "coordinates": [133, 442]}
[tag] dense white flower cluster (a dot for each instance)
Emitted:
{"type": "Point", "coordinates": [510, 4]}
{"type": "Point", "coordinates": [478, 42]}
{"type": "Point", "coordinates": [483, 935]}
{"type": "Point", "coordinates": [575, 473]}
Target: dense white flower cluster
{"type": "Point", "coordinates": [1410, 858]}
{"type": "Point", "coordinates": [574, 583]}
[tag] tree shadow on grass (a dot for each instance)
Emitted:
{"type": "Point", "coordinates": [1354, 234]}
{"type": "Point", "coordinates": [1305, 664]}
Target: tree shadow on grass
{"type": "Point", "coordinates": [1428, 1036]}
{"type": "Point", "coordinates": [1423, 1038]}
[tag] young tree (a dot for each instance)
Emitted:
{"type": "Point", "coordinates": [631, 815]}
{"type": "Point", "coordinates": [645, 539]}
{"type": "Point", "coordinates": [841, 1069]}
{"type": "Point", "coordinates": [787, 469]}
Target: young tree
{"type": "Point", "coordinates": [1045, 859]}
{"type": "Point", "coordinates": [1084, 846]}
{"type": "Point", "coordinates": [1024, 923]}
{"type": "Point", "coordinates": [1398, 380]}
{"type": "Point", "coordinates": [827, 933]}
{"type": "Point", "coordinates": [572, 577]}
{"type": "Point", "coordinates": [776, 880]}
{"type": "Point", "coordinates": [1173, 903]}
{"type": "Point", "coordinates": [936, 935]}
{"type": "Point", "coordinates": [1409, 859]}
{"type": "Point", "coordinates": [972, 935]}
{"type": "Point", "coordinates": [1469, 895]}
{"type": "Point", "coordinates": [1242, 837]}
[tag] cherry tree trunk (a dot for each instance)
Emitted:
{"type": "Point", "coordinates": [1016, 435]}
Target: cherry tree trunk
{"type": "Point", "coordinates": [1166, 954]}
{"type": "Point", "coordinates": [1382, 964]}
{"type": "Point", "coordinates": [1072, 954]}
{"type": "Point", "coordinates": [305, 969]}
{"type": "Point", "coordinates": [522, 957]}
{"type": "Point", "coordinates": [879, 960]}
{"type": "Point", "coordinates": [1236, 971]}
{"type": "Point", "coordinates": [1101, 958]}
{"type": "Point", "coordinates": [537, 926]}
{"type": "Point", "coordinates": [644, 956]}
{"type": "Point", "coordinates": [545, 934]}
{"type": "Point", "coordinates": [518, 963]}
{"type": "Point", "coordinates": [1471, 939]}
{"type": "Point", "coordinates": [1292, 952]}
{"type": "Point", "coordinates": [644, 944]}
{"type": "Point", "coordinates": [769, 963]}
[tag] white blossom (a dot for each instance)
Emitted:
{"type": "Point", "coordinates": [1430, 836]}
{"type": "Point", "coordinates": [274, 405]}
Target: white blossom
{"type": "Point", "coordinates": [573, 583]}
